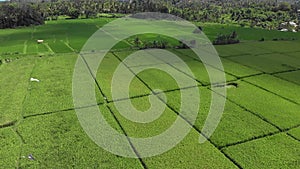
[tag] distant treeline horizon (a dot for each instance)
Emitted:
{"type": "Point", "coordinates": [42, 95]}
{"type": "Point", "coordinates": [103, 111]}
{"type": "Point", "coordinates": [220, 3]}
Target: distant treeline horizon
{"type": "Point", "coordinates": [267, 14]}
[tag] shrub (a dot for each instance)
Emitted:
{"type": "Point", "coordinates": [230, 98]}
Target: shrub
{"type": "Point", "coordinates": [226, 39]}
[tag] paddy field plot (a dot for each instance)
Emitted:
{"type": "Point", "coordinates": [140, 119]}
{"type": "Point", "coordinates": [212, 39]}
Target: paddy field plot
{"type": "Point", "coordinates": [261, 153]}
{"type": "Point", "coordinates": [10, 148]}
{"type": "Point", "coordinates": [292, 76]}
{"type": "Point", "coordinates": [278, 86]}
{"type": "Point", "coordinates": [268, 63]}
{"type": "Point", "coordinates": [295, 133]}
{"type": "Point", "coordinates": [268, 106]}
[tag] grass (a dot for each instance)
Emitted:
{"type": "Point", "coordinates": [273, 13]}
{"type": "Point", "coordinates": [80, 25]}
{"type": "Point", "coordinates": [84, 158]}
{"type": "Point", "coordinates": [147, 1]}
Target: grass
{"type": "Point", "coordinates": [10, 148]}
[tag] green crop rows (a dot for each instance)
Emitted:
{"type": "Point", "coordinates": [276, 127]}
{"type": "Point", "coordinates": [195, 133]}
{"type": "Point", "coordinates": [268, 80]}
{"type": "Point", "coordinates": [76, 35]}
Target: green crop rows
{"type": "Point", "coordinates": [259, 128]}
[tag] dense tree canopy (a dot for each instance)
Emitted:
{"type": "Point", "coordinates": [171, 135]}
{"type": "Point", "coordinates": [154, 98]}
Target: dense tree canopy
{"type": "Point", "coordinates": [267, 14]}
{"type": "Point", "coordinates": [14, 15]}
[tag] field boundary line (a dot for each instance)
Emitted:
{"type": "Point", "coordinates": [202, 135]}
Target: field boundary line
{"type": "Point", "coordinates": [284, 71]}
{"type": "Point", "coordinates": [290, 135]}
{"type": "Point", "coordinates": [8, 124]}
{"type": "Point", "coordinates": [21, 117]}
{"type": "Point", "coordinates": [60, 111]}
{"type": "Point", "coordinates": [236, 55]}
{"type": "Point", "coordinates": [157, 93]}
{"type": "Point", "coordinates": [128, 139]}
{"type": "Point", "coordinates": [67, 44]}
{"type": "Point", "coordinates": [259, 137]}
{"type": "Point", "coordinates": [25, 47]}
{"type": "Point", "coordinates": [22, 142]}
{"type": "Point", "coordinates": [49, 48]}
{"type": "Point", "coordinates": [276, 75]}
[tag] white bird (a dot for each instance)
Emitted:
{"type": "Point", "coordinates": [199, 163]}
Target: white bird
{"type": "Point", "coordinates": [34, 80]}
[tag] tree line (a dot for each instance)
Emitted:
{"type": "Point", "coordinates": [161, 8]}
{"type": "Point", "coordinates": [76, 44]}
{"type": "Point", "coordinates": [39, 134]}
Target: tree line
{"type": "Point", "coordinates": [255, 13]}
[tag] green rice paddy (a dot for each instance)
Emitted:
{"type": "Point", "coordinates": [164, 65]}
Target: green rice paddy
{"type": "Point", "coordinates": [260, 126]}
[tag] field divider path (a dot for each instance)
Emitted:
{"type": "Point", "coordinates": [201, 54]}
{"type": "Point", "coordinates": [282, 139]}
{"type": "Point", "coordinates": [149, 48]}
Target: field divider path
{"type": "Point", "coordinates": [178, 114]}
{"type": "Point", "coordinates": [285, 71]}
{"type": "Point", "coordinates": [292, 137]}
{"type": "Point", "coordinates": [60, 111]}
{"type": "Point", "coordinates": [49, 48]}
{"type": "Point", "coordinates": [258, 137]}
{"type": "Point", "coordinates": [127, 137]}
{"type": "Point", "coordinates": [248, 54]}
{"type": "Point", "coordinates": [9, 124]}
{"type": "Point", "coordinates": [67, 44]}
{"type": "Point", "coordinates": [25, 47]}
{"type": "Point", "coordinates": [114, 116]}
{"type": "Point", "coordinates": [21, 118]}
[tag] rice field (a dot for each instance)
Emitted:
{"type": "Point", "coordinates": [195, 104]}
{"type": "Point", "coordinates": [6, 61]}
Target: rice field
{"type": "Point", "coordinates": [260, 126]}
